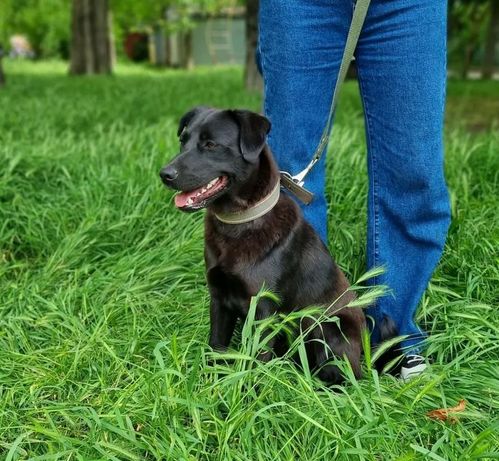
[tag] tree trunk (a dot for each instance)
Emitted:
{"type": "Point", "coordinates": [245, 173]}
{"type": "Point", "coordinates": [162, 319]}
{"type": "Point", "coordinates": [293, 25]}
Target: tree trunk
{"type": "Point", "coordinates": [2, 74]}
{"type": "Point", "coordinates": [112, 45]}
{"type": "Point", "coordinates": [474, 20]}
{"type": "Point", "coordinates": [252, 77]}
{"type": "Point", "coordinates": [188, 57]}
{"type": "Point", "coordinates": [491, 41]}
{"type": "Point", "coordinates": [90, 41]}
{"type": "Point", "coordinates": [467, 58]}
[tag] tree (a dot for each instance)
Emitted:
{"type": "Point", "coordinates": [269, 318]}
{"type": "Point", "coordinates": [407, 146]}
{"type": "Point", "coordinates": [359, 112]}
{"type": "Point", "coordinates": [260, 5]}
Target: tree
{"type": "Point", "coordinates": [491, 40]}
{"type": "Point", "coordinates": [90, 38]}
{"type": "Point", "coordinates": [252, 77]}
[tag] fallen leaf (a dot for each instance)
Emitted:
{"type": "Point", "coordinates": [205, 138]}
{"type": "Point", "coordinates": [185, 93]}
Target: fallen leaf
{"type": "Point", "coordinates": [445, 414]}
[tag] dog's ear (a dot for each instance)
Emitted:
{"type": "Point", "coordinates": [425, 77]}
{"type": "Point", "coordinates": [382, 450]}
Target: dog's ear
{"type": "Point", "coordinates": [188, 116]}
{"type": "Point", "coordinates": [253, 129]}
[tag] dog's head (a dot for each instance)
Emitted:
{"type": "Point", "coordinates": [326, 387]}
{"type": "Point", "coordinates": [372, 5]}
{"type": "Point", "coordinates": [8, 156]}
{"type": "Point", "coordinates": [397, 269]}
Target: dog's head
{"type": "Point", "coordinates": [219, 150]}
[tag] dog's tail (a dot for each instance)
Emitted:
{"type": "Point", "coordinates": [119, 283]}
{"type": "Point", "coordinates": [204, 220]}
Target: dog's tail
{"type": "Point", "coordinates": [393, 353]}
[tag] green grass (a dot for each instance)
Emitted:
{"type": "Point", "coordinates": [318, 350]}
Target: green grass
{"type": "Point", "coordinates": [104, 309]}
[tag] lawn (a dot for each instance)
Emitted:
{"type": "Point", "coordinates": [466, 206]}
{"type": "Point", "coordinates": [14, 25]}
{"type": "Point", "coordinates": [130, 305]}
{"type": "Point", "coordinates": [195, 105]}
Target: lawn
{"type": "Point", "coordinates": [104, 308]}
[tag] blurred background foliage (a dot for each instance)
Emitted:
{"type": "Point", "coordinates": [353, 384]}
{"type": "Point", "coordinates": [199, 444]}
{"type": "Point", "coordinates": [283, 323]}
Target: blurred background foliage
{"type": "Point", "coordinates": [473, 29]}
{"type": "Point", "coordinates": [46, 23]}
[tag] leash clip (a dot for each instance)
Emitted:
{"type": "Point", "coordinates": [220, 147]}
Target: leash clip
{"type": "Point", "coordinates": [294, 184]}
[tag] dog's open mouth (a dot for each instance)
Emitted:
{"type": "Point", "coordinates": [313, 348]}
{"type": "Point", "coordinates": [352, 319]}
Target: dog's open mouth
{"type": "Point", "coordinates": [198, 198]}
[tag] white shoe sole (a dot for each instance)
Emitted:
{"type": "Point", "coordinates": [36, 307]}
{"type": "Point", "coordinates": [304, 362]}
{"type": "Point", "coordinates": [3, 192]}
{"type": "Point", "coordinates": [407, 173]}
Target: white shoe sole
{"type": "Point", "coordinates": [406, 374]}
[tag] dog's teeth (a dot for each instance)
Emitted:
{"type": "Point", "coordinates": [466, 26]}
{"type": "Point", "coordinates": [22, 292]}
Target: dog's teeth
{"type": "Point", "coordinates": [208, 186]}
{"type": "Point", "coordinates": [189, 201]}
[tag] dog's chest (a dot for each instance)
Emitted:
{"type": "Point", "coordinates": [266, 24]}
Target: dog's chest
{"type": "Point", "coordinates": [227, 274]}
{"type": "Point", "coordinates": [229, 289]}
{"type": "Point", "coordinates": [230, 254]}
{"type": "Point", "coordinates": [233, 277]}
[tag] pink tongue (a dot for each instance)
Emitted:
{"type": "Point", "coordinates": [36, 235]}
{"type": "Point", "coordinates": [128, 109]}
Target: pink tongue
{"type": "Point", "coordinates": [181, 199]}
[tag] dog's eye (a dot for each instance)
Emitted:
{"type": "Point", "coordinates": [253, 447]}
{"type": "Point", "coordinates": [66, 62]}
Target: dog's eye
{"type": "Point", "coordinates": [209, 145]}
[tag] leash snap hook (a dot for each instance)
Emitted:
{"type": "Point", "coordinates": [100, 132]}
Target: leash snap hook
{"type": "Point", "coordinates": [295, 185]}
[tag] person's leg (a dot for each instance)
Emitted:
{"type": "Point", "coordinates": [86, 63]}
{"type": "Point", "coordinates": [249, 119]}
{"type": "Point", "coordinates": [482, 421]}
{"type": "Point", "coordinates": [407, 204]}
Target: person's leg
{"type": "Point", "coordinates": [401, 60]}
{"type": "Point", "coordinates": [301, 43]}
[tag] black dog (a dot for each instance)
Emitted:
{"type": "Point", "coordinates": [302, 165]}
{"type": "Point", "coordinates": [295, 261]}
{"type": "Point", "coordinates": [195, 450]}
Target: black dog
{"type": "Point", "coordinates": [254, 235]}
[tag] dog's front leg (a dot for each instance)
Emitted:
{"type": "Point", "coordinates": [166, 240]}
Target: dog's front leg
{"type": "Point", "coordinates": [222, 324]}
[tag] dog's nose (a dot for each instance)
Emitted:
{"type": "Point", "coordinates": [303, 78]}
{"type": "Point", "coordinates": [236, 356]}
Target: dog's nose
{"type": "Point", "coordinates": [168, 173]}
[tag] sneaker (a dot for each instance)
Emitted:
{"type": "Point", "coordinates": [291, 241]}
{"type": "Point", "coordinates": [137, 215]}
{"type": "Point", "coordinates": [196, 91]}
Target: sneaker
{"type": "Point", "coordinates": [412, 365]}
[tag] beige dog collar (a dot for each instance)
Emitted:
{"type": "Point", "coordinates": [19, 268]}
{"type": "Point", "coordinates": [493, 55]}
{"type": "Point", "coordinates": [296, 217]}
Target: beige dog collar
{"type": "Point", "coordinates": [256, 211]}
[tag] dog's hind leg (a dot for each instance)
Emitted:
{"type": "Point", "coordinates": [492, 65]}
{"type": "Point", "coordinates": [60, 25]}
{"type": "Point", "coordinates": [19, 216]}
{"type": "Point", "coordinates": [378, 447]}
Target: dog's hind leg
{"type": "Point", "coordinates": [329, 340]}
{"type": "Point", "coordinates": [265, 309]}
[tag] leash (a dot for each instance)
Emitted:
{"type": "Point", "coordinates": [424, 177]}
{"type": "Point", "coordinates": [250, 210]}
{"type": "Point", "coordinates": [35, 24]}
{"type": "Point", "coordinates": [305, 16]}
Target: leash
{"type": "Point", "coordinates": [295, 184]}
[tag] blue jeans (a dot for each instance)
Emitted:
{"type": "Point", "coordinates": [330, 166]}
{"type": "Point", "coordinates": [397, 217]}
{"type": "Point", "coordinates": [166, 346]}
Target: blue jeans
{"type": "Point", "coordinates": [401, 63]}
